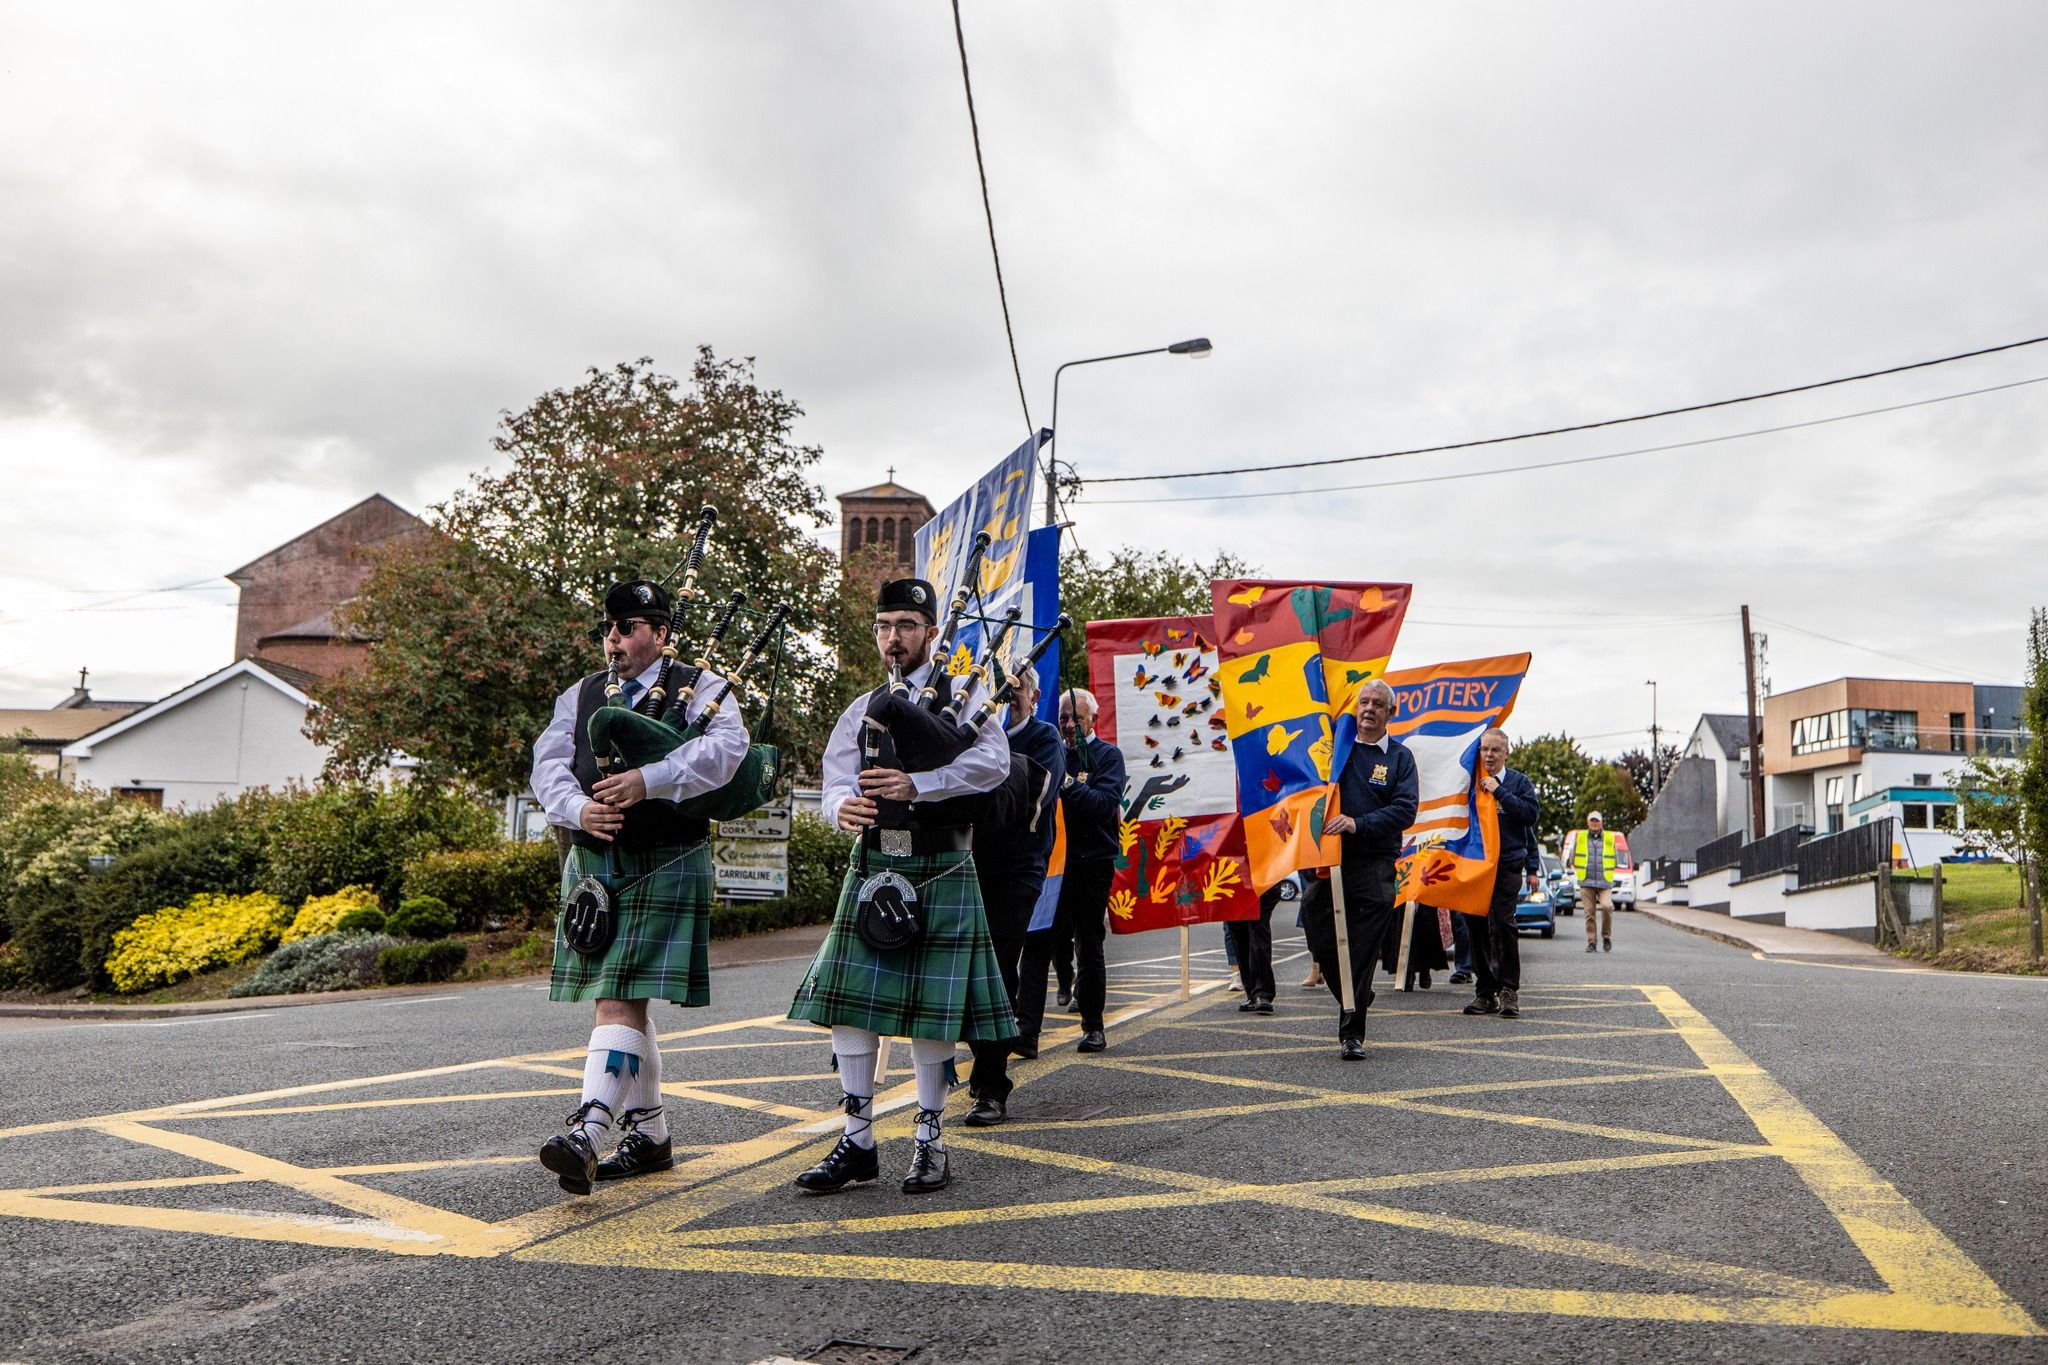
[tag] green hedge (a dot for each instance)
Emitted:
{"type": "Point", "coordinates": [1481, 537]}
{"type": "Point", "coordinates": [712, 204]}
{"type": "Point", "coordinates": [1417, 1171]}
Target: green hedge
{"type": "Point", "coordinates": [818, 855]}
{"type": "Point", "coordinates": [219, 850]}
{"type": "Point", "coordinates": [515, 884]}
{"type": "Point", "coordinates": [368, 920]}
{"type": "Point", "coordinates": [410, 963]}
{"type": "Point", "coordinates": [45, 844]}
{"type": "Point", "coordinates": [421, 917]}
{"type": "Point", "coordinates": [338, 836]}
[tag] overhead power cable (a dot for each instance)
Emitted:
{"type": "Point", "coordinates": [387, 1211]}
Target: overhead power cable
{"type": "Point", "coordinates": [1577, 459]}
{"type": "Point", "coordinates": [1561, 431]}
{"type": "Point", "coordinates": [988, 212]}
{"type": "Point", "coordinates": [1868, 649]}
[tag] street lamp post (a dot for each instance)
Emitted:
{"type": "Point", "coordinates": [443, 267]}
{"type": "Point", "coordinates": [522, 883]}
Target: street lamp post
{"type": "Point", "coordinates": [1656, 749]}
{"type": "Point", "coordinates": [1197, 347]}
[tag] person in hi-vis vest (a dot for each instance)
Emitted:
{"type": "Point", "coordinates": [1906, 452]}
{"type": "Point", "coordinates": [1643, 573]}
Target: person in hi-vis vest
{"type": "Point", "coordinates": [1590, 854]}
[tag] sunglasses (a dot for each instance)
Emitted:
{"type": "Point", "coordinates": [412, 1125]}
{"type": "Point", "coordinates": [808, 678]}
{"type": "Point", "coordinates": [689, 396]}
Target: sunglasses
{"type": "Point", "coordinates": [626, 628]}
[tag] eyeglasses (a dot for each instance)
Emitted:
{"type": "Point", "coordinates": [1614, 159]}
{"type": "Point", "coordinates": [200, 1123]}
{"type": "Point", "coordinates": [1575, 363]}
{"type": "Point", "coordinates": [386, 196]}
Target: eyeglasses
{"type": "Point", "coordinates": [900, 627]}
{"type": "Point", "coordinates": [627, 628]}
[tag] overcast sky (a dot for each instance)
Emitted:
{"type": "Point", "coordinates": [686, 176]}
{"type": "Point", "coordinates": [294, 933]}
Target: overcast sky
{"type": "Point", "coordinates": [257, 262]}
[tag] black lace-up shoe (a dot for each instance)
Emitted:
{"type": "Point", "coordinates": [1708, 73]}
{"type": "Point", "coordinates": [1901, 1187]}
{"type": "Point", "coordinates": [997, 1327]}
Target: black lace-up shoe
{"type": "Point", "coordinates": [637, 1154]}
{"type": "Point", "coordinates": [929, 1170]}
{"type": "Point", "coordinates": [844, 1164]}
{"type": "Point", "coordinates": [1091, 1041]}
{"type": "Point", "coordinates": [573, 1160]}
{"type": "Point", "coordinates": [986, 1113]}
{"type": "Point", "coordinates": [1352, 1049]}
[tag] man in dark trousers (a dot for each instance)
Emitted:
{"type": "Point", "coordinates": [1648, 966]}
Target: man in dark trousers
{"type": "Point", "coordinates": [1010, 864]}
{"type": "Point", "coordinates": [1252, 941]}
{"type": "Point", "coordinates": [1376, 798]}
{"type": "Point", "coordinates": [1092, 801]}
{"type": "Point", "coordinates": [1498, 953]}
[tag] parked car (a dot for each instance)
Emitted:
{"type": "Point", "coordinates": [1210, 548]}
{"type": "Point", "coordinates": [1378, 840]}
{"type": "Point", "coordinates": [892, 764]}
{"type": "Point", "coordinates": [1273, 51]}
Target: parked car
{"type": "Point", "coordinates": [1558, 880]}
{"type": "Point", "coordinates": [1624, 875]}
{"type": "Point", "coordinates": [1537, 910]}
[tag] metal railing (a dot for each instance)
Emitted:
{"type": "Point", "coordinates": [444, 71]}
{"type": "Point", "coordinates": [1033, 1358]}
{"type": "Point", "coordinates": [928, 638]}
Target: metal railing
{"type": "Point", "coordinates": [1773, 853]}
{"type": "Point", "coordinates": [1722, 852]}
{"type": "Point", "coordinates": [1847, 856]}
{"type": "Point", "coordinates": [1666, 870]}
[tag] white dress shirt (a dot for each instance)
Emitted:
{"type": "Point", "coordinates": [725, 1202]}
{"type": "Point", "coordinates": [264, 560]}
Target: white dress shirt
{"type": "Point", "coordinates": [982, 768]}
{"type": "Point", "coordinates": [704, 764]}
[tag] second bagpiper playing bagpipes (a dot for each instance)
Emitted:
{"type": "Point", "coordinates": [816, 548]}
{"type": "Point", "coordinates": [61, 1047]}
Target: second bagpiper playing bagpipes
{"type": "Point", "coordinates": [908, 952]}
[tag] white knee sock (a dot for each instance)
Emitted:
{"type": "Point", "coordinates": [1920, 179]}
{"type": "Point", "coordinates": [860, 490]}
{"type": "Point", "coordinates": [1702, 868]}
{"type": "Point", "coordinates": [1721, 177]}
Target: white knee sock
{"type": "Point", "coordinates": [853, 1052]}
{"type": "Point", "coordinates": [929, 1059]}
{"type": "Point", "coordinates": [608, 1074]}
{"type": "Point", "coordinates": [647, 1095]}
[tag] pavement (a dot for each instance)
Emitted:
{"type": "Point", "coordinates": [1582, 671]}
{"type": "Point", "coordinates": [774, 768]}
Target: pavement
{"type": "Point", "coordinates": [1775, 940]}
{"type": "Point", "coordinates": [1682, 1151]}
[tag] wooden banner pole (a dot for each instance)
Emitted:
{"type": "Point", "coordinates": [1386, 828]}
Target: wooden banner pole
{"type": "Point", "coordinates": [1407, 940]}
{"type": "Point", "coordinates": [1186, 987]}
{"type": "Point", "coordinates": [1346, 998]}
{"type": "Point", "coordinates": [882, 1060]}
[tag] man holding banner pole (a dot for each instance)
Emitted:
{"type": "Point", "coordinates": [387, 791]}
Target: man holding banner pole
{"type": "Point", "coordinates": [1498, 955]}
{"type": "Point", "coordinates": [1376, 800]}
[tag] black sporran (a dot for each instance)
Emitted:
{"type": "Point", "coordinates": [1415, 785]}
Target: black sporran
{"type": "Point", "coordinates": [588, 920]}
{"type": "Point", "coordinates": [885, 913]}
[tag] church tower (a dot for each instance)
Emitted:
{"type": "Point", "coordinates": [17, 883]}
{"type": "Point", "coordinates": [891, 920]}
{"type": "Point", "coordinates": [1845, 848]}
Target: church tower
{"type": "Point", "coordinates": [882, 521]}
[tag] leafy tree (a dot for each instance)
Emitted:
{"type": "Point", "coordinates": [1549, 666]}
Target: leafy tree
{"type": "Point", "coordinates": [1988, 793]}
{"type": "Point", "coordinates": [1557, 769]}
{"type": "Point", "coordinates": [20, 779]}
{"type": "Point", "coordinates": [1607, 789]}
{"type": "Point", "coordinates": [478, 627]}
{"type": "Point", "coordinates": [1132, 583]}
{"type": "Point", "coordinates": [1636, 764]}
{"type": "Point", "coordinates": [2033, 776]}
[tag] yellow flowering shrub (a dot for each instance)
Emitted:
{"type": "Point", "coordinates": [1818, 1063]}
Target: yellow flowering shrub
{"type": "Point", "coordinates": [322, 914]}
{"type": "Point", "coordinates": [179, 940]}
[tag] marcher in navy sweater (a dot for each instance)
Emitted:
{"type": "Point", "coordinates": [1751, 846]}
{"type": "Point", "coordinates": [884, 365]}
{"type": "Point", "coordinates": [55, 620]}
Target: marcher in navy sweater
{"type": "Point", "coordinates": [1092, 802]}
{"type": "Point", "coordinates": [1376, 798]}
{"type": "Point", "coordinates": [1498, 955]}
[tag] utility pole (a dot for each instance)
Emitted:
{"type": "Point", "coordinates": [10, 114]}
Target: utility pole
{"type": "Point", "coordinates": [1756, 734]}
{"type": "Point", "coordinates": [1656, 748]}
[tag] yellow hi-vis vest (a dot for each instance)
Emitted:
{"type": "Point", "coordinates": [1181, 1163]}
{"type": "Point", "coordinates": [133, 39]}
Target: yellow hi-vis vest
{"type": "Point", "coordinates": [1582, 854]}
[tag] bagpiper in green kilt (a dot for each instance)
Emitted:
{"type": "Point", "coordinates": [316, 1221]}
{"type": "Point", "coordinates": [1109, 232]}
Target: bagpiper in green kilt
{"type": "Point", "coordinates": [662, 950]}
{"type": "Point", "coordinates": [944, 986]}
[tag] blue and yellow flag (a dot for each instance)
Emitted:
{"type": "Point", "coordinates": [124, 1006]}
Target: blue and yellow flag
{"type": "Point", "coordinates": [1291, 658]}
{"type": "Point", "coordinates": [1020, 567]}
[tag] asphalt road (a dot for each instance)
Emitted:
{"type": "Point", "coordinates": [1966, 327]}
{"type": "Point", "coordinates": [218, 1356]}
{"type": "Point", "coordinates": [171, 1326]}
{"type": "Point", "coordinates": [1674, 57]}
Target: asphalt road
{"type": "Point", "coordinates": [1679, 1152]}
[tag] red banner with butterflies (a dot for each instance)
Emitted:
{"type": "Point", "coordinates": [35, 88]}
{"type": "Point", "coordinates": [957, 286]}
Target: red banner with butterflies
{"type": "Point", "coordinates": [1181, 851]}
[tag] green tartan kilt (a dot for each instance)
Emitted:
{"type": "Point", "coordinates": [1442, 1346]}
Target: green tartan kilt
{"type": "Point", "coordinates": [946, 986]}
{"type": "Point", "coordinates": [662, 950]}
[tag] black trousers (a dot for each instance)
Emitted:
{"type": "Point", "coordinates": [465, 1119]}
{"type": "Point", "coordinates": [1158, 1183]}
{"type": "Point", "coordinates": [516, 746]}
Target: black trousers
{"type": "Point", "coordinates": [1252, 941]}
{"type": "Point", "coordinates": [1368, 912]}
{"type": "Point", "coordinates": [1498, 960]}
{"type": "Point", "coordinates": [1006, 900]}
{"type": "Point", "coordinates": [1083, 912]}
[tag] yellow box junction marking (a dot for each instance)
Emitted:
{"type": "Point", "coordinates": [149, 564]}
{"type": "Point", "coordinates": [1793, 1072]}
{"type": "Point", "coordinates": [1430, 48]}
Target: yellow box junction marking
{"type": "Point", "coordinates": [658, 1222]}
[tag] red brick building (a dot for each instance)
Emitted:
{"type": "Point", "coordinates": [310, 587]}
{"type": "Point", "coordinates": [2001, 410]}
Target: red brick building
{"type": "Point", "coordinates": [882, 521]}
{"type": "Point", "coordinates": [289, 596]}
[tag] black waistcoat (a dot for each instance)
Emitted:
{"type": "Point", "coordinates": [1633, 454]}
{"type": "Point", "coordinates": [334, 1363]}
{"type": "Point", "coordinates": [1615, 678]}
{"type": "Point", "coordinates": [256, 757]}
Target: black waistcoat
{"type": "Point", "coordinates": [649, 824]}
